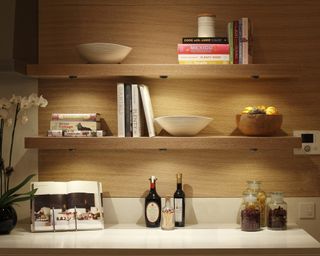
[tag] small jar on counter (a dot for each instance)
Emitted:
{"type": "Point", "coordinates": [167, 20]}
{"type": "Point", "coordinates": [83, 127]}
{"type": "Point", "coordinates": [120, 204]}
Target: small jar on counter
{"type": "Point", "coordinates": [250, 212]}
{"type": "Point", "coordinates": [167, 218]}
{"type": "Point", "coordinates": [277, 212]}
{"type": "Point", "coordinates": [255, 187]}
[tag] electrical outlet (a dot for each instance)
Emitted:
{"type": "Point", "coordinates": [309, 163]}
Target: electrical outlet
{"type": "Point", "coordinates": [307, 210]}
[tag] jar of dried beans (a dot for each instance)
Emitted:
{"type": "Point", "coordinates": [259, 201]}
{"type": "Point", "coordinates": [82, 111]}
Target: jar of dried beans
{"type": "Point", "coordinates": [277, 212]}
{"type": "Point", "coordinates": [250, 212]}
{"type": "Point", "coordinates": [255, 187]}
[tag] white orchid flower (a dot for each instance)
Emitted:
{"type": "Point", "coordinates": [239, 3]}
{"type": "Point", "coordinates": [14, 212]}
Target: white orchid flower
{"type": "Point", "coordinates": [42, 102]}
{"type": "Point", "coordinates": [33, 99]}
{"type": "Point", "coordinates": [9, 122]}
{"type": "Point", "coordinates": [5, 103]}
{"type": "Point", "coordinates": [15, 99]}
{"type": "Point", "coordinates": [3, 114]}
{"type": "Point", "coordinates": [24, 103]}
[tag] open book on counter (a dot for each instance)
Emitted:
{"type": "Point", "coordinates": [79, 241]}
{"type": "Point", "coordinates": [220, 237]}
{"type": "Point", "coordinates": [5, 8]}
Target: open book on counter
{"type": "Point", "coordinates": [73, 205]}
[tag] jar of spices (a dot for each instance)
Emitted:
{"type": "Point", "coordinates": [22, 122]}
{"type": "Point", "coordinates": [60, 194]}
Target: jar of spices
{"type": "Point", "coordinates": [255, 187]}
{"type": "Point", "coordinates": [167, 218]}
{"type": "Point", "coordinates": [250, 212]}
{"type": "Point", "coordinates": [277, 212]}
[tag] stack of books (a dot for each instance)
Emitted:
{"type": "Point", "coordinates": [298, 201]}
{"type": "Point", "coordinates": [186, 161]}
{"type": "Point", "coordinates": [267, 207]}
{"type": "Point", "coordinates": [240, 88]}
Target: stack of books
{"type": "Point", "coordinates": [203, 50]}
{"type": "Point", "coordinates": [240, 40]}
{"type": "Point", "coordinates": [134, 109]}
{"type": "Point", "coordinates": [75, 125]}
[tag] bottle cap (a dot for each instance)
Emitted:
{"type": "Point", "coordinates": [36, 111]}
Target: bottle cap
{"type": "Point", "coordinates": [179, 177]}
{"type": "Point", "coordinates": [206, 15]}
{"type": "Point", "coordinates": [254, 184]}
{"type": "Point", "coordinates": [153, 179]}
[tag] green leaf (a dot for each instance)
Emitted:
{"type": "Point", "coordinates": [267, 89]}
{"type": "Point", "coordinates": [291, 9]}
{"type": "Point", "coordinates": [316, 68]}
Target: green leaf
{"type": "Point", "coordinates": [18, 198]}
{"type": "Point", "coordinates": [16, 188]}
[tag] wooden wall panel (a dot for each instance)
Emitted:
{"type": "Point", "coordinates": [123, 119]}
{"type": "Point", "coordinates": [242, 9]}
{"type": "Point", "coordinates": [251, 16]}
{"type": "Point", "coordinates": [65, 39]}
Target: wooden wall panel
{"type": "Point", "coordinates": [284, 32]}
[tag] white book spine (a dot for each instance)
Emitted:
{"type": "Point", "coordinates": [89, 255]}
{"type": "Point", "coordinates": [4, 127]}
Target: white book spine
{"type": "Point", "coordinates": [121, 117]}
{"type": "Point", "coordinates": [147, 106]}
{"type": "Point", "coordinates": [136, 123]}
{"type": "Point", "coordinates": [245, 40]}
{"type": "Point", "coordinates": [203, 57]}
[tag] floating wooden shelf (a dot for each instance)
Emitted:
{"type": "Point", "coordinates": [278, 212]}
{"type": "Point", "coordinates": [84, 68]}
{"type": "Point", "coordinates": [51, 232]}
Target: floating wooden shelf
{"type": "Point", "coordinates": [179, 143]}
{"type": "Point", "coordinates": [254, 71]}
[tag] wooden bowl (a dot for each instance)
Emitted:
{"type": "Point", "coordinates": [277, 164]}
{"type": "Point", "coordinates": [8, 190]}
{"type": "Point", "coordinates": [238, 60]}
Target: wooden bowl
{"type": "Point", "coordinates": [259, 124]}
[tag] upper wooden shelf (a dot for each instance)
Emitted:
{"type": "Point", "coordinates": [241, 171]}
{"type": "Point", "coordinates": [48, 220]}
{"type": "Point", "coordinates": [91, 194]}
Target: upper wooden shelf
{"type": "Point", "coordinates": [254, 71]}
{"type": "Point", "coordinates": [179, 143]}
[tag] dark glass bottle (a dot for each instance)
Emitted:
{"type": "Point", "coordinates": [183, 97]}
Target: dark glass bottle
{"type": "Point", "coordinates": [179, 203]}
{"type": "Point", "coordinates": [152, 207]}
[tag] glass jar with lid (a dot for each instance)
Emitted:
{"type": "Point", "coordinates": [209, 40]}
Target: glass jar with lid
{"type": "Point", "coordinates": [250, 212]}
{"type": "Point", "coordinates": [277, 212]}
{"type": "Point", "coordinates": [255, 187]}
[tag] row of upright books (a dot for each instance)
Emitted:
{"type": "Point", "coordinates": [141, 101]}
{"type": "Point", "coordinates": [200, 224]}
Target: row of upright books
{"type": "Point", "coordinates": [240, 41]}
{"type": "Point", "coordinates": [234, 49]}
{"type": "Point", "coordinates": [75, 125]}
{"type": "Point", "coordinates": [134, 110]}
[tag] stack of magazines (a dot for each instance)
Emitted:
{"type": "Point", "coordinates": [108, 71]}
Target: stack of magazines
{"type": "Point", "coordinates": [75, 125]}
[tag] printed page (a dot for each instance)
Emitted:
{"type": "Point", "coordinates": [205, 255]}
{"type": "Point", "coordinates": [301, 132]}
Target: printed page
{"type": "Point", "coordinates": [84, 203]}
{"type": "Point", "coordinates": [49, 207]}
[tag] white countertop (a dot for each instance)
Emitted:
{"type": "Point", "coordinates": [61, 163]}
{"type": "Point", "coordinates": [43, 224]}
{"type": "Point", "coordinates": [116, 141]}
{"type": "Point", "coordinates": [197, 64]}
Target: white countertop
{"type": "Point", "coordinates": [139, 237]}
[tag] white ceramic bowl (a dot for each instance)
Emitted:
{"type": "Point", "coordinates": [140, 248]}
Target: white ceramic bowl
{"type": "Point", "coordinates": [183, 125]}
{"type": "Point", "coordinates": [103, 53]}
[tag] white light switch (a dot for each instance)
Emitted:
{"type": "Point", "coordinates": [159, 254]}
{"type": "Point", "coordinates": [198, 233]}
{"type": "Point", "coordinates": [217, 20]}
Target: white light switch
{"type": "Point", "coordinates": [307, 210]}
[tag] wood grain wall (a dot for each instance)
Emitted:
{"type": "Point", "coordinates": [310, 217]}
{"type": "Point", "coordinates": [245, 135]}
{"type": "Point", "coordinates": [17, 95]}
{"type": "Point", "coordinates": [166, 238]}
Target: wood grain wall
{"type": "Point", "coordinates": [284, 32]}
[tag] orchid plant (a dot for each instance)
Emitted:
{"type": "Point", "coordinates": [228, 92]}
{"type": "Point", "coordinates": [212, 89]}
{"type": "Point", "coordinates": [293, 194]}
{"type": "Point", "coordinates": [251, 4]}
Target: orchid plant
{"type": "Point", "coordinates": [11, 111]}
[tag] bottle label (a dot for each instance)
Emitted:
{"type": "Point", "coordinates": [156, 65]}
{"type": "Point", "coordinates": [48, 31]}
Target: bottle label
{"type": "Point", "coordinates": [152, 211]}
{"type": "Point", "coordinates": [178, 209]}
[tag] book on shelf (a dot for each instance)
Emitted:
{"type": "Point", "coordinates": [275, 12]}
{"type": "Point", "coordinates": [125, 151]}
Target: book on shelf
{"type": "Point", "coordinates": [212, 57]}
{"type": "Point", "coordinates": [136, 115]}
{"type": "Point", "coordinates": [205, 40]}
{"type": "Point", "coordinates": [128, 109]}
{"type": "Point", "coordinates": [98, 133]}
{"type": "Point", "coordinates": [199, 62]}
{"type": "Point", "coordinates": [147, 107]}
{"type": "Point", "coordinates": [230, 37]}
{"type": "Point", "coordinates": [72, 205]}
{"type": "Point", "coordinates": [203, 48]}
{"type": "Point", "coordinates": [236, 42]}
{"type": "Point", "coordinates": [76, 117]}
{"type": "Point", "coordinates": [120, 110]}
{"type": "Point", "coordinates": [75, 125]}
{"type": "Point", "coordinates": [246, 41]}
{"type": "Point", "coordinates": [240, 41]}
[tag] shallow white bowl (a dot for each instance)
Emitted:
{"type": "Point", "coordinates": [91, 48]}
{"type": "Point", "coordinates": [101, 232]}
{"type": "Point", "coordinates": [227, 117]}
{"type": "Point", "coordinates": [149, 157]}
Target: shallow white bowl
{"type": "Point", "coordinates": [103, 53]}
{"type": "Point", "coordinates": [183, 125]}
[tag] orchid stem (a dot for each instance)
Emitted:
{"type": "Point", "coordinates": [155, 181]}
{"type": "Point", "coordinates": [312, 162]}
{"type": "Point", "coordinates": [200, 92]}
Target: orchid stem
{"type": "Point", "coordinates": [13, 132]}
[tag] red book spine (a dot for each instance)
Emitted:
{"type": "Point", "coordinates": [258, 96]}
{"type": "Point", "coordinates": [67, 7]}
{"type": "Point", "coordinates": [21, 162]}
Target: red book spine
{"type": "Point", "coordinates": [203, 48]}
{"type": "Point", "coordinates": [236, 42]}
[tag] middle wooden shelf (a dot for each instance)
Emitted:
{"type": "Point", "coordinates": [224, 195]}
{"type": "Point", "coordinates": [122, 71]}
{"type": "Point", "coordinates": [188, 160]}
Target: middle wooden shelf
{"type": "Point", "coordinates": [160, 142]}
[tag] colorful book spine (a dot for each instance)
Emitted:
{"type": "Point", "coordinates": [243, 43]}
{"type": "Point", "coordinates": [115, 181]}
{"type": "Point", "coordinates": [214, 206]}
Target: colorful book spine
{"type": "Point", "coordinates": [246, 41]}
{"type": "Point", "coordinates": [191, 62]}
{"type": "Point", "coordinates": [76, 117]}
{"type": "Point", "coordinates": [120, 112]}
{"type": "Point", "coordinates": [230, 36]}
{"type": "Point", "coordinates": [203, 48]}
{"type": "Point", "coordinates": [75, 125]}
{"type": "Point", "coordinates": [236, 42]}
{"type": "Point", "coordinates": [240, 40]}
{"type": "Point", "coordinates": [199, 57]}
{"type": "Point", "coordinates": [205, 40]}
